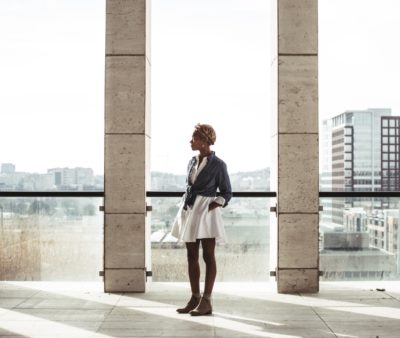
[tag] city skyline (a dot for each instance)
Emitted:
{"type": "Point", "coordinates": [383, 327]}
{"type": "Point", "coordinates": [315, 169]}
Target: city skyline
{"type": "Point", "coordinates": [81, 179]}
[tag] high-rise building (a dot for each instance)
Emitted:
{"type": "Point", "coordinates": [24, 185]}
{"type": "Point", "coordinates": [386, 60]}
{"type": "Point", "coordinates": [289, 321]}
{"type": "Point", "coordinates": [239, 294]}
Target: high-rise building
{"type": "Point", "coordinates": [357, 151]}
{"type": "Point", "coordinates": [390, 161]}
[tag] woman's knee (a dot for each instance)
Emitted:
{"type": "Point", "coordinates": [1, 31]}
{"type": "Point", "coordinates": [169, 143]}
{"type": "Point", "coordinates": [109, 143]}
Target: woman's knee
{"type": "Point", "coordinates": [192, 257]}
{"type": "Point", "coordinates": [208, 250]}
{"type": "Point", "coordinates": [208, 256]}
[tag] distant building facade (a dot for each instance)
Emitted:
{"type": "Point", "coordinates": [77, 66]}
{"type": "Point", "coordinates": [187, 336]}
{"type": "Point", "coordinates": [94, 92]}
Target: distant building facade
{"type": "Point", "coordinates": [7, 168]}
{"type": "Point", "coordinates": [55, 179]}
{"type": "Point", "coordinates": [348, 256]}
{"type": "Point", "coordinates": [390, 161]}
{"type": "Point", "coordinates": [72, 177]}
{"type": "Point", "coordinates": [380, 229]}
{"type": "Point", "coordinates": [360, 153]}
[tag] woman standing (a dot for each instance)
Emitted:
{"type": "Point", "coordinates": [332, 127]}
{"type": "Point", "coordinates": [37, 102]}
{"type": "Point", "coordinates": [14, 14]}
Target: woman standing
{"type": "Point", "coordinates": [199, 219]}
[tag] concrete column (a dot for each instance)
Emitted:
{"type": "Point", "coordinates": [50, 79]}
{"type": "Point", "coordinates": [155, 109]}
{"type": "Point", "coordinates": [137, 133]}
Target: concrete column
{"type": "Point", "coordinates": [127, 140]}
{"type": "Point", "coordinates": [295, 93]}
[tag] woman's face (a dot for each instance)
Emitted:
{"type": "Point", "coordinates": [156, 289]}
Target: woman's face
{"type": "Point", "coordinates": [196, 142]}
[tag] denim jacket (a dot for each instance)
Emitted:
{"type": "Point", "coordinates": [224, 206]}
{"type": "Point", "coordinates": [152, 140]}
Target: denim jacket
{"type": "Point", "coordinates": [214, 176]}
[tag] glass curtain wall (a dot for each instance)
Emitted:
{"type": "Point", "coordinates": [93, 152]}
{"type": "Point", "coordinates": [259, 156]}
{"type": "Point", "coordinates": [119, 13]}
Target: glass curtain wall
{"type": "Point", "coordinates": [359, 123]}
{"type": "Point", "coordinates": [210, 65]}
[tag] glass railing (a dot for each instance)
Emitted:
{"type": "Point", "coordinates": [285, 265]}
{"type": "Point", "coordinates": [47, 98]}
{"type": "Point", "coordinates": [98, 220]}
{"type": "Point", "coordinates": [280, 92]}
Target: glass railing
{"type": "Point", "coordinates": [61, 237]}
{"type": "Point", "coordinates": [51, 238]}
{"type": "Point", "coordinates": [359, 237]}
{"type": "Point", "coordinates": [245, 256]}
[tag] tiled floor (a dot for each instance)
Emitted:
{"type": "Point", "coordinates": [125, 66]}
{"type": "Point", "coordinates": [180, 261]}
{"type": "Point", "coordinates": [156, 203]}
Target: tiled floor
{"type": "Point", "coordinates": [58, 310]}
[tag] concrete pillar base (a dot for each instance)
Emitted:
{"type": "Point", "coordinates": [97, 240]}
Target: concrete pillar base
{"type": "Point", "coordinates": [298, 280]}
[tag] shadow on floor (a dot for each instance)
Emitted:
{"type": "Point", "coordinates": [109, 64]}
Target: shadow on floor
{"type": "Point", "coordinates": [46, 309]}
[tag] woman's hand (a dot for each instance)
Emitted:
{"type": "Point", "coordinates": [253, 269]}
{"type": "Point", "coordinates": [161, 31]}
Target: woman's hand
{"type": "Point", "coordinates": [213, 205]}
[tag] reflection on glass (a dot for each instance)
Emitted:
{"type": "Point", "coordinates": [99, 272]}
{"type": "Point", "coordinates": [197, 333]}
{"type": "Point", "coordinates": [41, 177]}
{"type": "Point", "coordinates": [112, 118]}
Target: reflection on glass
{"type": "Point", "coordinates": [51, 239]}
{"type": "Point", "coordinates": [244, 258]}
{"type": "Point", "coordinates": [361, 241]}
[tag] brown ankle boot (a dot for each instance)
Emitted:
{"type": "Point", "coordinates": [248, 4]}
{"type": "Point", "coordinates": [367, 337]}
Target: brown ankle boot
{"type": "Point", "coordinates": [204, 308]}
{"type": "Point", "coordinates": [193, 302]}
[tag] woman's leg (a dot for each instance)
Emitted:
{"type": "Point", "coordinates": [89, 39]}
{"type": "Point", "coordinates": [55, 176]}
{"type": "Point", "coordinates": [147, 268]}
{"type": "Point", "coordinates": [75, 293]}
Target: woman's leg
{"type": "Point", "coordinates": [208, 245]}
{"type": "Point", "coordinates": [194, 276]}
{"type": "Point", "coordinates": [204, 307]}
{"type": "Point", "coordinates": [193, 266]}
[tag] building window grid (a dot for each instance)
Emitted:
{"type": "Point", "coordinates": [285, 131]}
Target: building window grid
{"type": "Point", "coordinates": [349, 157]}
{"type": "Point", "coordinates": [390, 161]}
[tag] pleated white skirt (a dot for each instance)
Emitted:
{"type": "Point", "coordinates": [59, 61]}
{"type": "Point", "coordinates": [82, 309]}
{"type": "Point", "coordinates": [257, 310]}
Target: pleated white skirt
{"type": "Point", "coordinates": [197, 222]}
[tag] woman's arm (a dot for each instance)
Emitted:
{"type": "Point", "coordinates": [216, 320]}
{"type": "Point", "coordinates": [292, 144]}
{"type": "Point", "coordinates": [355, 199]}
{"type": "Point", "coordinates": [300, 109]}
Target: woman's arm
{"type": "Point", "coordinates": [224, 184]}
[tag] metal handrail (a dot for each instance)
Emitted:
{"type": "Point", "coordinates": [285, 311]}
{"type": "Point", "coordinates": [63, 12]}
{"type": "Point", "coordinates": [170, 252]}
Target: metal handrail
{"type": "Point", "coordinates": [367, 194]}
{"type": "Point", "coordinates": [270, 194]}
{"type": "Point", "coordinates": [322, 194]}
{"type": "Point", "coordinates": [235, 194]}
{"type": "Point", "coordinates": [51, 193]}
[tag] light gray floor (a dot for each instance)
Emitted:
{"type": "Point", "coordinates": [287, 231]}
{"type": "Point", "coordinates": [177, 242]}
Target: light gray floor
{"type": "Point", "coordinates": [58, 310]}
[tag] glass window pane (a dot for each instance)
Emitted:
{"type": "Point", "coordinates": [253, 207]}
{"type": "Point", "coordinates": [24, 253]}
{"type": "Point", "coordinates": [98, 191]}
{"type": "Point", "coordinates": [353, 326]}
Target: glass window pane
{"type": "Point", "coordinates": [348, 131]}
{"type": "Point", "coordinates": [348, 140]}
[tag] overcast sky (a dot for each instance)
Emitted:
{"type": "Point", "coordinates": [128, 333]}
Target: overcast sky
{"type": "Point", "coordinates": [210, 64]}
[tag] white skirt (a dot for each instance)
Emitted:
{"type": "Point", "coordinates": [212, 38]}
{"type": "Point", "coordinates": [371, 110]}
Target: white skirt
{"type": "Point", "coordinates": [197, 222]}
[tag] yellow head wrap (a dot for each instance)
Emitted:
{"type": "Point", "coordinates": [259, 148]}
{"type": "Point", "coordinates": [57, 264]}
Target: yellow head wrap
{"type": "Point", "coordinates": [205, 132]}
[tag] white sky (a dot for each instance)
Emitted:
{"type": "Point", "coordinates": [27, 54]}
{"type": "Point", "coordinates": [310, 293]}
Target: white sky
{"type": "Point", "coordinates": [210, 64]}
